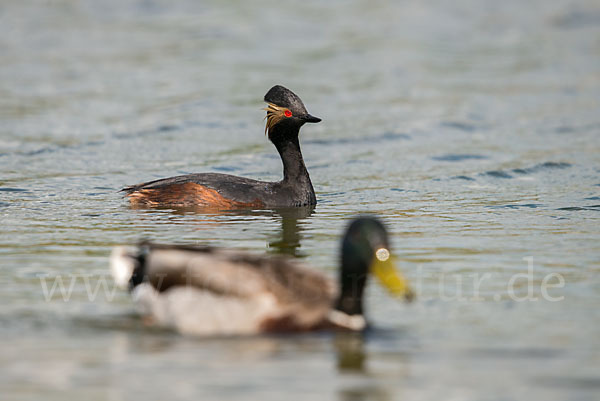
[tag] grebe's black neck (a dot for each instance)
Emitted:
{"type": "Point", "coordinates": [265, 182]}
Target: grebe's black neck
{"type": "Point", "coordinates": [285, 139]}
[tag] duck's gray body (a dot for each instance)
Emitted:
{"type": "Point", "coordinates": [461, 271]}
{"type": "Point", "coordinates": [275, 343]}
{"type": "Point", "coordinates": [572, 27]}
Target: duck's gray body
{"type": "Point", "coordinates": [210, 291]}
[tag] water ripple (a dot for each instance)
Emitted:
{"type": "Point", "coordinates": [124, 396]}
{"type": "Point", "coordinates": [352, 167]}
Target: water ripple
{"type": "Point", "coordinates": [541, 167]}
{"type": "Point", "coordinates": [517, 206]}
{"type": "Point", "coordinates": [459, 125]}
{"type": "Point", "coordinates": [498, 174]}
{"type": "Point", "coordinates": [527, 170]}
{"type": "Point", "coordinates": [451, 157]}
{"type": "Point", "coordinates": [386, 136]}
{"type": "Point", "coordinates": [577, 18]}
{"type": "Point", "coordinates": [463, 177]}
{"type": "Point", "coordinates": [595, 208]}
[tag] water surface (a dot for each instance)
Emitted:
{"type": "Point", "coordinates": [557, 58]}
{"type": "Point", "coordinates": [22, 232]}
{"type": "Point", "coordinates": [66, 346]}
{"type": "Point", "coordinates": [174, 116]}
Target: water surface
{"type": "Point", "coordinates": [470, 127]}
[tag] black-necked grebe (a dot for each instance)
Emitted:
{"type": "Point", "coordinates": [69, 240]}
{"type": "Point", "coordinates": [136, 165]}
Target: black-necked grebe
{"type": "Point", "coordinates": [285, 115]}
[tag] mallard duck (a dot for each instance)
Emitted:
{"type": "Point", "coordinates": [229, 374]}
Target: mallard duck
{"type": "Point", "coordinates": [213, 291]}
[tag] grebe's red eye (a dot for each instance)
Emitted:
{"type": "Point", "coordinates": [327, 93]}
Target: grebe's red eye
{"type": "Point", "coordinates": [288, 113]}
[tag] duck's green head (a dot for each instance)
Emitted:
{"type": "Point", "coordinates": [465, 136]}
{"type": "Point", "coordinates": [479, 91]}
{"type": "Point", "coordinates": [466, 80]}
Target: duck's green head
{"type": "Point", "coordinates": [366, 249]}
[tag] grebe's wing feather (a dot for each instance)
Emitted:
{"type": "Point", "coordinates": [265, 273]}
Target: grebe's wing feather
{"type": "Point", "coordinates": [207, 189]}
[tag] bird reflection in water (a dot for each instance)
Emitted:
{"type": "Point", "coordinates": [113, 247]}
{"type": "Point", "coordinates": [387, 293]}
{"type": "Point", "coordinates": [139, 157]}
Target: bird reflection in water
{"type": "Point", "coordinates": [356, 382]}
{"type": "Point", "coordinates": [350, 351]}
{"type": "Point", "coordinates": [289, 237]}
{"type": "Point", "coordinates": [287, 241]}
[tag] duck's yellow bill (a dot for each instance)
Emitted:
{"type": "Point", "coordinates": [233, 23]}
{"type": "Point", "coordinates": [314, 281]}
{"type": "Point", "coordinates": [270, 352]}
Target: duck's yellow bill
{"type": "Point", "coordinates": [383, 267]}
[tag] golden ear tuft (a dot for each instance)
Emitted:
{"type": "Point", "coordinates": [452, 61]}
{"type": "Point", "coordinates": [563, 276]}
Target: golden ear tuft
{"type": "Point", "coordinates": [274, 115]}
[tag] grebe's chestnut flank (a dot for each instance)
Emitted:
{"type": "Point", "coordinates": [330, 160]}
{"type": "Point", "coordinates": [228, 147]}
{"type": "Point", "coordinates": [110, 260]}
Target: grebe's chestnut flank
{"type": "Point", "coordinates": [213, 291]}
{"type": "Point", "coordinates": [285, 115]}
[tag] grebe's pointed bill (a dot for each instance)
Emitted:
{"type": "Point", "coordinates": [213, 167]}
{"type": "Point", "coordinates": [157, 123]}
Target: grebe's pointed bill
{"type": "Point", "coordinates": [310, 119]}
{"type": "Point", "coordinates": [384, 268]}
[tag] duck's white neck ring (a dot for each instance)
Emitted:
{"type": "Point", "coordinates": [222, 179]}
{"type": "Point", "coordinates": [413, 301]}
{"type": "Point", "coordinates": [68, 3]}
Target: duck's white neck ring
{"type": "Point", "coordinates": [351, 322]}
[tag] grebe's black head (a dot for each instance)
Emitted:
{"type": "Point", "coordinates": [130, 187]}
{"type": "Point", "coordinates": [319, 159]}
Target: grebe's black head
{"type": "Point", "coordinates": [366, 249]}
{"type": "Point", "coordinates": [285, 107]}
